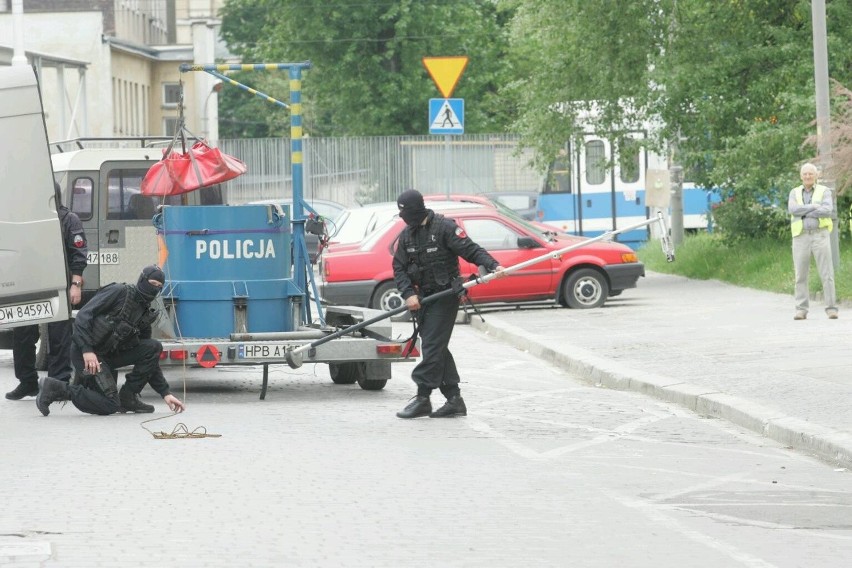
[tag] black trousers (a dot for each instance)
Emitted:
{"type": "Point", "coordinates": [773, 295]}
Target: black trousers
{"type": "Point", "coordinates": [145, 358]}
{"type": "Point", "coordinates": [58, 351]}
{"type": "Point", "coordinates": [24, 340]}
{"type": "Point", "coordinates": [437, 368]}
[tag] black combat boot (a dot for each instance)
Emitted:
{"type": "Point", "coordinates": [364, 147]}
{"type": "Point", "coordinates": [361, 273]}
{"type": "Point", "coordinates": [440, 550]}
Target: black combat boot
{"type": "Point", "coordinates": [28, 388]}
{"type": "Point", "coordinates": [50, 390]}
{"type": "Point", "coordinates": [453, 407]}
{"type": "Point", "coordinates": [419, 406]}
{"type": "Point", "coordinates": [130, 402]}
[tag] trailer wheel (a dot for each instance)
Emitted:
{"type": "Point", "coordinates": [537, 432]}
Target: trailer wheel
{"type": "Point", "coordinates": [379, 373]}
{"type": "Point", "coordinates": [585, 289]}
{"type": "Point", "coordinates": [346, 373]}
{"type": "Point", "coordinates": [41, 348]}
{"type": "Point", "coordinates": [372, 384]}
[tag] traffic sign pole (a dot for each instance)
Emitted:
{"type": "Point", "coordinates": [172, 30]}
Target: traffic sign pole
{"type": "Point", "coordinates": [446, 72]}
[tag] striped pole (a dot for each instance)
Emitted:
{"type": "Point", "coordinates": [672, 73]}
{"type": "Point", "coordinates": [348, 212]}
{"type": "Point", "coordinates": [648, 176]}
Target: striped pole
{"type": "Point", "coordinates": [299, 260]}
{"type": "Point", "coordinates": [248, 89]}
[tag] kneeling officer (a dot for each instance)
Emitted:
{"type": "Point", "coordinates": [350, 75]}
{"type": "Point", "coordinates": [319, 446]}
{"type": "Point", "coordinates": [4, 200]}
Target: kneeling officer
{"type": "Point", "coordinates": [114, 328]}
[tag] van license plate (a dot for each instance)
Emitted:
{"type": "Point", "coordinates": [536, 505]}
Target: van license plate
{"type": "Point", "coordinates": [25, 312]}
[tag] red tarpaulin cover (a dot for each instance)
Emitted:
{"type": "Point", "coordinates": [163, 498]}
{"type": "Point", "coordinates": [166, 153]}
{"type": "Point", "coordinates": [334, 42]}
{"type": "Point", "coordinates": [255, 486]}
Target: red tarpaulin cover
{"type": "Point", "coordinates": [180, 173]}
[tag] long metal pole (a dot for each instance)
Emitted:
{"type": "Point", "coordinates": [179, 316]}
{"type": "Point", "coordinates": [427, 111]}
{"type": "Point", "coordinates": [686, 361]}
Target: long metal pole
{"type": "Point", "coordinates": [823, 118]}
{"type": "Point", "coordinates": [294, 356]}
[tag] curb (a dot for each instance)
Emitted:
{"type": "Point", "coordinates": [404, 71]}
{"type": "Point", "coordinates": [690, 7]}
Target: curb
{"type": "Point", "coordinates": [832, 446]}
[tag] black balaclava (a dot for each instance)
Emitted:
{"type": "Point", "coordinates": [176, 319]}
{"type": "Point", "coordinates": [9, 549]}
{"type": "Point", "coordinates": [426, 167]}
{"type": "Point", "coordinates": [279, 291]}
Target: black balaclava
{"type": "Point", "coordinates": [145, 288]}
{"type": "Point", "coordinates": [411, 207]}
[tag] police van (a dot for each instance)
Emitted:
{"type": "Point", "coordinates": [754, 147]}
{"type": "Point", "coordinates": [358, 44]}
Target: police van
{"type": "Point", "coordinates": [33, 270]}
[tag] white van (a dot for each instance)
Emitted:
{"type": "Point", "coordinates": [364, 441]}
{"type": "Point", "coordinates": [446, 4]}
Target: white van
{"type": "Point", "coordinates": [33, 270]}
{"type": "Point", "coordinates": [102, 186]}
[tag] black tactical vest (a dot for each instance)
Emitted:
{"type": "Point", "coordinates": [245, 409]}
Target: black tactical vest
{"type": "Point", "coordinates": [431, 265]}
{"type": "Point", "coordinates": [118, 330]}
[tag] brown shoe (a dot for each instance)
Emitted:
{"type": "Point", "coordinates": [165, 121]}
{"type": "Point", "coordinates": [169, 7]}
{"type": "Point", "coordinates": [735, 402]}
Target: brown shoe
{"type": "Point", "coordinates": [832, 315]}
{"type": "Point", "coordinates": [800, 316]}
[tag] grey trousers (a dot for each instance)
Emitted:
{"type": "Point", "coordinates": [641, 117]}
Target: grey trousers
{"type": "Point", "coordinates": [818, 244]}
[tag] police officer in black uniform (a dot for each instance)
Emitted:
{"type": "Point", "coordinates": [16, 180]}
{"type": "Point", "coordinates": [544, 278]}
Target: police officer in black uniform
{"type": "Point", "coordinates": [114, 330]}
{"type": "Point", "coordinates": [426, 261]}
{"type": "Point", "coordinates": [59, 332]}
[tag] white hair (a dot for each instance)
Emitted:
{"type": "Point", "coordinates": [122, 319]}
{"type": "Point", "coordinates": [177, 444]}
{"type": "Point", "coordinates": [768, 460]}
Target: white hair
{"type": "Point", "coordinates": [808, 168]}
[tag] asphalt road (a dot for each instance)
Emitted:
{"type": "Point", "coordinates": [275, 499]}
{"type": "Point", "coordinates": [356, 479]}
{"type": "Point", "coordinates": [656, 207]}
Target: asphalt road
{"type": "Point", "coordinates": [546, 470]}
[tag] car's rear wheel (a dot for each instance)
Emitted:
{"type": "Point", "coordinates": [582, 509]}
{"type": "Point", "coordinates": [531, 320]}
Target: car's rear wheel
{"type": "Point", "coordinates": [585, 289]}
{"type": "Point", "coordinates": [386, 297]}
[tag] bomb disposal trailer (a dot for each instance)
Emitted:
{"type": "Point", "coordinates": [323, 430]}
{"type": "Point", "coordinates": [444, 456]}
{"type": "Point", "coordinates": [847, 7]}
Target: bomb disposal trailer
{"type": "Point", "coordinates": [239, 287]}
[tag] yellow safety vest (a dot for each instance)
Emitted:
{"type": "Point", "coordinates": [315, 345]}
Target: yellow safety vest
{"type": "Point", "coordinates": [796, 223]}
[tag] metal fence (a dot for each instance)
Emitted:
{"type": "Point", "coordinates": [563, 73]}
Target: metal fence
{"type": "Point", "coordinates": [371, 169]}
{"type": "Point", "coordinates": [354, 171]}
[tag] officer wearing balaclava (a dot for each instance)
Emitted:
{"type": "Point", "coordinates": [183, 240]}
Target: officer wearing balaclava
{"type": "Point", "coordinates": [113, 330]}
{"type": "Point", "coordinates": [426, 261]}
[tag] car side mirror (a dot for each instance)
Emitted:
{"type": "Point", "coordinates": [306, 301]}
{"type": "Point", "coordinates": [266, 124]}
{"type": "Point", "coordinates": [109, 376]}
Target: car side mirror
{"type": "Point", "coordinates": [527, 243]}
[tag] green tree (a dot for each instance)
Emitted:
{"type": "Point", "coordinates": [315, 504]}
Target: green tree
{"type": "Point", "coordinates": [580, 59]}
{"type": "Point", "coordinates": [737, 90]}
{"type": "Point", "coordinates": [731, 80]}
{"type": "Point", "coordinates": [367, 76]}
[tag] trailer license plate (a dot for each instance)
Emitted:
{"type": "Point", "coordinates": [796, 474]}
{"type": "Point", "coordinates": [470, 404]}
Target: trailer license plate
{"type": "Point", "coordinates": [262, 351]}
{"type": "Point", "coordinates": [26, 312]}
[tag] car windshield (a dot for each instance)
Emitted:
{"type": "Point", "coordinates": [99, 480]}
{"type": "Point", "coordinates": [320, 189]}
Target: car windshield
{"type": "Point", "coordinates": [355, 224]}
{"type": "Point", "coordinates": [512, 201]}
{"type": "Point", "coordinates": [513, 215]}
{"type": "Point", "coordinates": [370, 240]}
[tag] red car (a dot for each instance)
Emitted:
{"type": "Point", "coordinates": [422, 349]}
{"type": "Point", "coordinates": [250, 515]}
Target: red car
{"type": "Point", "coordinates": [582, 278]}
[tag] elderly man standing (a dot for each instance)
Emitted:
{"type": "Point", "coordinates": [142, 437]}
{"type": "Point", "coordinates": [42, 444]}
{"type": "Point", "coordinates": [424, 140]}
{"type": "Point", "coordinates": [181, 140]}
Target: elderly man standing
{"type": "Point", "coordinates": [810, 207]}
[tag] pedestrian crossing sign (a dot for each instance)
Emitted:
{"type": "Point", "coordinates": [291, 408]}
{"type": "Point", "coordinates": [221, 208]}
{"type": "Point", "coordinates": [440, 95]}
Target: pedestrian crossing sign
{"type": "Point", "coordinates": [446, 116]}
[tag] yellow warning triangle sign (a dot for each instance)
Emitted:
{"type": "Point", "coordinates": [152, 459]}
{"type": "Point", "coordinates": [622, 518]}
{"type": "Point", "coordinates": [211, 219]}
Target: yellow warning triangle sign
{"type": "Point", "coordinates": [446, 71]}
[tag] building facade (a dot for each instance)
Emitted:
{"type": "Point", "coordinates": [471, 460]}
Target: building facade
{"type": "Point", "coordinates": [110, 68]}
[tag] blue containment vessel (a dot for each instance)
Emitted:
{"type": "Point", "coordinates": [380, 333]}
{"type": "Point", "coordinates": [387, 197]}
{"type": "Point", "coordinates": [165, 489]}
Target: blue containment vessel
{"type": "Point", "coordinates": [227, 269]}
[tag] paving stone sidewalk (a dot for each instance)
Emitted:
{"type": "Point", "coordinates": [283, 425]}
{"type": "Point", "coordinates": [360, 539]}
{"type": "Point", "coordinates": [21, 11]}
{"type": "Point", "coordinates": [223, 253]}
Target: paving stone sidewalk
{"type": "Point", "coordinates": [719, 350]}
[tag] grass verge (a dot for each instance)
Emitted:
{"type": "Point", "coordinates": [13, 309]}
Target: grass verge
{"type": "Point", "coordinates": [760, 264]}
